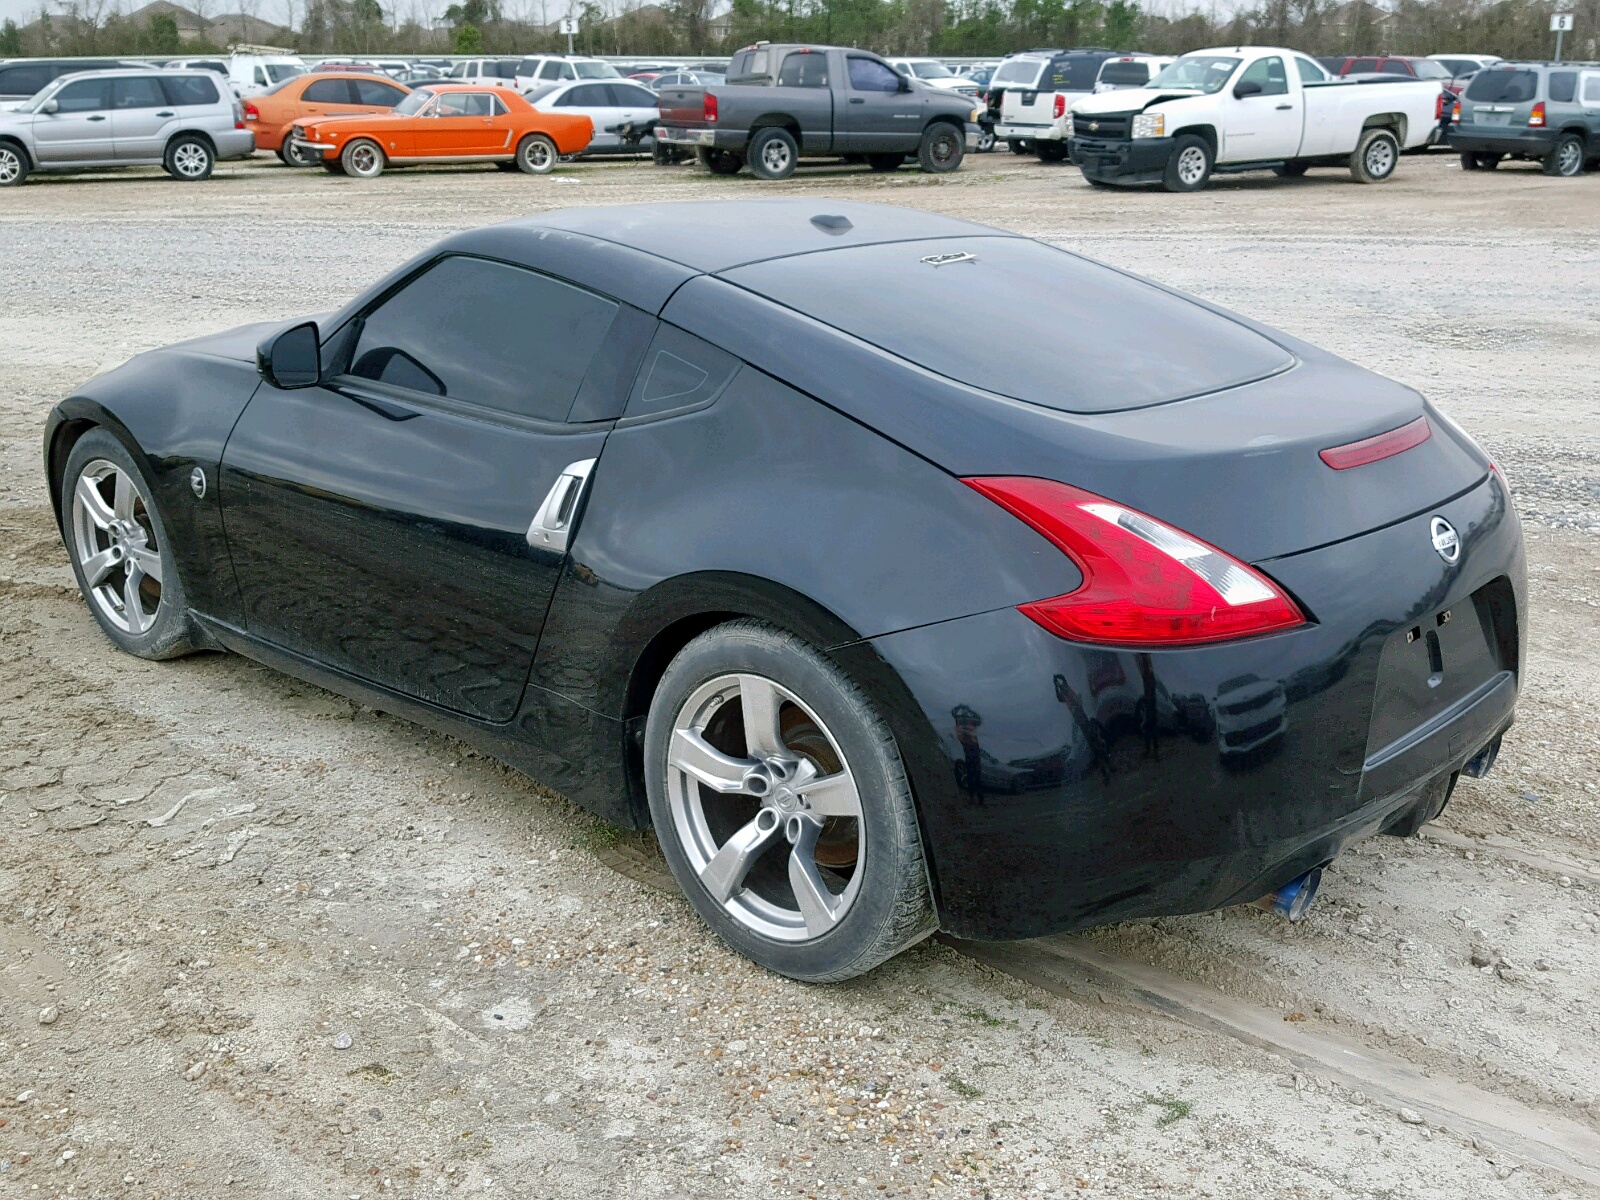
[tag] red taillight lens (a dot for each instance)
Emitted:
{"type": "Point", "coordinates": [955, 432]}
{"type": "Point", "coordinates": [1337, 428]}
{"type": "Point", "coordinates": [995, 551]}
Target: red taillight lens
{"type": "Point", "coordinates": [1455, 113]}
{"type": "Point", "coordinates": [1536, 117]}
{"type": "Point", "coordinates": [1144, 582]}
{"type": "Point", "coordinates": [1438, 105]}
{"type": "Point", "coordinates": [1059, 108]}
{"type": "Point", "coordinates": [1372, 449]}
{"type": "Point", "coordinates": [709, 111]}
{"type": "Point", "coordinates": [252, 113]}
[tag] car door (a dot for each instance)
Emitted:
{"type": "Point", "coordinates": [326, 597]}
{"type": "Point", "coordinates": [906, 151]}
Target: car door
{"type": "Point", "coordinates": [392, 522]}
{"type": "Point", "coordinates": [593, 100]}
{"type": "Point", "coordinates": [461, 124]}
{"type": "Point", "coordinates": [876, 115]}
{"type": "Point", "coordinates": [140, 115]}
{"type": "Point", "coordinates": [634, 105]}
{"type": "Point", "coordinates": [79, 130]}
{"type": "Point", "coordinates": [1267, 124]}
{"type": "Point", "coordinates": [322, 97]}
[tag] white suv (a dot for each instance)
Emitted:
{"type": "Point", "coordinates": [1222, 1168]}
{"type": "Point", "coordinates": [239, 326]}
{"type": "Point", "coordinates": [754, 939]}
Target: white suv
{"type": "Point", "coordinates": [248, 74]}
{"type": "Point", "coordinates": [560, 68]}
{"type": "Point", "coordinates": [933, 73]}
{"type": "Point", "coordinates": [1129, 71]}
{"type": "Point", "coordinates": [1038, 88]}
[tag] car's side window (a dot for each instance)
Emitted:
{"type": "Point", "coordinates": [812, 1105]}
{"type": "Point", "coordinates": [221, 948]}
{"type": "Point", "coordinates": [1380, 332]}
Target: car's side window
{"type": "Point", "coordinates": [1309, 71]}
{"type": "Point", "coordinates": [627, 95]}
{"type": "Point", "coordinates": [370, 91]}
{"type": "Point", "coordinates": [870, 75]}
{"type": "Point", "coordinates": [496, 107]}
{"type": "Point", "coordinates": [327, 91]}
{"type": "Point", "coordinates": [261, 76]}
{"type": "Point", "coordinates": [137, 91]}
{"type": "Point", "coordinates": [189, 90]}
{"type": "Point", "coordinates": [1591, 88]}
{"type": "Point", "coordinates": [1563, 86]}
{"type": "Point", "coordinates": [1269, 73]}
{"type": "Point", "coordinates": [1395, 67]}
{"type": "Point", "coordinates": [804, 70]}
{"type": "Point", "coordinates": [84, 95]}
{"type": "Point", "coordinates": [485, 333]}
{"type": "Point", "coordinates": [680, 372]}
{"type": "Point", "coordinates": [1363, 66]}
{"type": "Point", "coordinates": [24, 80]}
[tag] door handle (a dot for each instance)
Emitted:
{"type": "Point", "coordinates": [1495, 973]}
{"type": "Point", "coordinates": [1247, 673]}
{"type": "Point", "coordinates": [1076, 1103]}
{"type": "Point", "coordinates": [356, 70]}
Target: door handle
{"type": "Point", "coordinates": [857, 100]}
{"type": "Point", "coordinates": [552, 524]}
{"type": "Point", "coordinates": [1285, 107]}
{"type": "Point", "coordinates": [97, 117]}
{"type": "Point", "coordinates": [166, 113]}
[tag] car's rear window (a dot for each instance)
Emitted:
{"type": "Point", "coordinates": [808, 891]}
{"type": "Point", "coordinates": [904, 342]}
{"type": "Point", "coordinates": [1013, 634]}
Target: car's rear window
{"type": "Point", "coordinates": [750, 64]}
{"type": "Point", "coordinates": [1124, 74]}
{"type": "Point", "coordinates": [1503, 87]}
{"type": "Point", "coordinates": [189, 89]}
{"type": "Point", "coordinates": [1074, 74]}
{"type": "Point", "coordinates": [1021, 71]}
{"type": "Point", "coordinates": [1079, 337]}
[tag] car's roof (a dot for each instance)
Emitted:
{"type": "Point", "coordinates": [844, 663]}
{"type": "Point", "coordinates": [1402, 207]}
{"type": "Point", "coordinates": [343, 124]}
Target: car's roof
{"type": "Point", "coordinates": [715, 235]}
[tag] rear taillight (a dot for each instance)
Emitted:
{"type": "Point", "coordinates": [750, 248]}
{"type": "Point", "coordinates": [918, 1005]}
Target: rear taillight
{"type": "Point", "coordinates": [1375, 449]}
{"type": "Point", "coordinates": [252, 113]}
{"type": "Point", "coordinates": [1455, 113]}
{"type": "Point", "coordinates": [1438, 105]}
{"type": "Point", "coordinates": [1536, 117]}
{"type": "Point", "coordinates": [1059, 109]}
{"type": "Point", "coordinates": [709, 108]}
{"type": "Point", "coordinates": [1144, 582]}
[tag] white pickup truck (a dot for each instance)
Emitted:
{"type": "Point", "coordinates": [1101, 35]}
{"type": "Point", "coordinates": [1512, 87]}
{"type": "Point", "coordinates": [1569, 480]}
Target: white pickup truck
{"type": "Point", "coordinates": [1246, 108]}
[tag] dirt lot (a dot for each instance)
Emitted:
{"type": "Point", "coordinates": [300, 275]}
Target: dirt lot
{"type": "Point", "coordinates": [256, 940]}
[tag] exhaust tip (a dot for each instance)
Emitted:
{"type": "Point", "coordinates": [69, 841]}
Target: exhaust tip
{"type": "Point", "coordinates": [1293, 900]}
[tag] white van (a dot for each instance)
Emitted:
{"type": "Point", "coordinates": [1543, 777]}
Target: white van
{"type": "Point", "coordinates": [248, 74]}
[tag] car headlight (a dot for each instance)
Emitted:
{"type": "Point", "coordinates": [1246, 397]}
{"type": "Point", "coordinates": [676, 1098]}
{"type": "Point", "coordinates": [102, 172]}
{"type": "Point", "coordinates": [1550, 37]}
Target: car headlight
{"type": "Point", "coordinates": [977, 115]}
{"type": "Point", "coordinates": [1150, 125]}
{"type": "Point", "coordinates": [1072, 129]}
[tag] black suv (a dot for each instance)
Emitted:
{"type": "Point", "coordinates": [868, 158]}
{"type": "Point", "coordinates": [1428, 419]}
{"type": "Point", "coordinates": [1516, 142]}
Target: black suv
{"type": "Point", "coordinates": [1548, 112]}
{"type": "Point", "coordinates": [21, 78]}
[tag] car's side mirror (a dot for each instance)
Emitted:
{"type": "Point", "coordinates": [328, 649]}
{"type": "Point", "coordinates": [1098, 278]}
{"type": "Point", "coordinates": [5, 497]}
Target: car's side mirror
{"type": "Point", "coordinates": [1246, 87]}
{"type": "Point", "coordinates": [292, 358]}
{"type": "Point", "coordinates": [49, 106]}
{"type": "Point", "coordinates": [905, 85]}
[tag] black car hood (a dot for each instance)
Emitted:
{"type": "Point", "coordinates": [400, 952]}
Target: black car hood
{"type": "Point", "coordinates": [239, 344]}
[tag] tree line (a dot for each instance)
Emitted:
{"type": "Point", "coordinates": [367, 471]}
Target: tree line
{"type": "Point", "coordinates": [1510, 28]}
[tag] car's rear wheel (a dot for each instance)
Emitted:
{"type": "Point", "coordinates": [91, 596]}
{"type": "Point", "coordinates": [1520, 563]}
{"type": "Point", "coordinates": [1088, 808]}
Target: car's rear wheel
{"type": "Point", "coordinates": [363, 158]}
{"type": "Point", "coordinates": [1566, 157]}
{"type": "Point", "coordinates": [1488, 162]}
{"type": "Point", "coordinates": [537, 155]}
{"type": "Point", "coordinates": [1291, 170]}
{"type": "Point", "coordinates": [189, 158]}
{"type": "Point", "coordinates": [886, 162]}
{"type": "Point", "coordinates": [774, 154]}
{"type": "Point", "coordinates": [782, 805]}
{"type": "Point", "coordinates": [986, 141]}
{"type": "Point", "coordinates": [719, 162]}
{"type": "Point", "coordinates": [120, 549]}
{"type": "Point", "coordinates": [1017, 145]}
{"type": "Point", "coordinates": [942, 149]}
{"type": "Point", "coordinates": [1051, 152]}
{"type": "Point", "coordinates": [1376, 156]}
{"type": "Point", "coordinates": [1189, 165]}
{"type": "Point", "coordinates": [13, 165]}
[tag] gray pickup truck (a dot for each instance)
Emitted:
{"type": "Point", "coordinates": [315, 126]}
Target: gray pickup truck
{"type": "Point", "coordinates": [784, 103]}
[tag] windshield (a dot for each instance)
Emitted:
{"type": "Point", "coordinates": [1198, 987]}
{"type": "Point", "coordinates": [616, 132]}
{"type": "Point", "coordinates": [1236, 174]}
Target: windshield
{"type": "Point", "coordinates": [32, 103]}
{"type": "Point", "coordinates": [932, 71]}
{"type": "Point", "coordinates": [596, 70]}
{"type": "Point", "coordinates": [1199, 72]}
{"type": "Point", "coordinates": [281, 72]}
{"type": "Point", "coordinates": [412, 104]}
{"type": "Point", "coordinates": [1512, 87]}
{"type": "Point", "coordinates": [1429, 70]}
{"type": "Point", "coordinates": [1019, 70]}
{"type": "Point", "coordinates": [1125, 74]}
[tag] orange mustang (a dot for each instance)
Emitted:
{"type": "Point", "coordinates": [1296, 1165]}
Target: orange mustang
{"type": "Point", "coordinates": [444, 123]}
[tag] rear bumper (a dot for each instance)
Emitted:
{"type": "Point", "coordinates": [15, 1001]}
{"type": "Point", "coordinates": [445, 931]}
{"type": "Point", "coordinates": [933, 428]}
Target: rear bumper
{"type": "Point", "coordinates": [715, 139]}
{"type": "Point", "coordinates": [234, 143]}
{"type": "Point", "coordinates": [1498, 140]}
{"type": "Point", "coordinates": [1142, 160]}
{"type": "Point", "coordinates": [1082, 785]}
{"type": "Point", "coordinates": [1013, 131]}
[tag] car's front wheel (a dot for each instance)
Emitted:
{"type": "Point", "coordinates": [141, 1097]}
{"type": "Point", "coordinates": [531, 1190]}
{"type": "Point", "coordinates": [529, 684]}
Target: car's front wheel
{"type": "Point", "coordinates": [782, 805]}
{"type": "Point", "coordinates": [189, 158]}
{"type": "Point", "coordinates": [1189, 167]}
{"type": "Point", "coordinates": [942, 149]}
{"type": "Point", "coordinates": [363, 158]}
{"type": "Point", "coordinates": [13, 165]}
{"type": "Point", "coordinates": [293, 156]}
{"type": "Point", "coordinates": [120, 550]}
{"type": "Point", "coordinates": [537, 155]}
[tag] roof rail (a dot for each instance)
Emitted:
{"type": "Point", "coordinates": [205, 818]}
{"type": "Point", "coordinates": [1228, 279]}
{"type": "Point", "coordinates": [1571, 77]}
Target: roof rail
{"type": "Point", "coordinates": [247, 48]}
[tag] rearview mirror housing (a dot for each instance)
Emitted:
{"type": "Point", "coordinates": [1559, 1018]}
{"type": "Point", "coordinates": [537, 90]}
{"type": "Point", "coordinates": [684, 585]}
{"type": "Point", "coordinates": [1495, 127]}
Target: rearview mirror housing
{"type": "Point", "coordinates": [291, 358]}
{"type": "Point", "coordinates": [1246, 87]}
{"type": "Point", "coordinates": [49, 106]}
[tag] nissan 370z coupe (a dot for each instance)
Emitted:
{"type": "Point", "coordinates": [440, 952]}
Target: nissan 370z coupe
{"type": "Point", "coordinates": [712, 517]}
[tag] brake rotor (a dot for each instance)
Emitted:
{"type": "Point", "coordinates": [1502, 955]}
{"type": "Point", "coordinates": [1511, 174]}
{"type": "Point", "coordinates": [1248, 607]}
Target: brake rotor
{"type": "Point", "coordinates": [838, 846]}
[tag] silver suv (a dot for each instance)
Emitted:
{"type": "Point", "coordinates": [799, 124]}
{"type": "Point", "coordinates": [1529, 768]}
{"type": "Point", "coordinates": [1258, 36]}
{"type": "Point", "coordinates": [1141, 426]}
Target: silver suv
{"type": "Point", "coordinates": [184, 121]}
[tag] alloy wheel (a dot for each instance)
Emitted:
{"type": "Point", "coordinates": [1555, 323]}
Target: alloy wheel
{"type": "Point", "coordinates": [775, 156]}
{"type": "Point", "coordinates": [115, 543]}
{"type": "Point", "coordinates": [191, 160]}
{"type": "Point", "coordinates": [364, 160]}
{"type": "Point", "coordinates": [10, 165]}
{"type": "Point", "coordinates": [1569, 158]}
{"type": "Point", "coordinates": [1192, 166]}
{"type": "Point", "coordinates": [1380, 158]}
{"type": "Point", "coordinates": [765, 808]}
{"type": "Point", "coordinates": [539, 157]}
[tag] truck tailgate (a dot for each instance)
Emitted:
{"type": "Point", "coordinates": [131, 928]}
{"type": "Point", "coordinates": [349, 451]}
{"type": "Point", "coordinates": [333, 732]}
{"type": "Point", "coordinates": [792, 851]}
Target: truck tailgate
{"type": "Point", "coordinates": [683, 107]}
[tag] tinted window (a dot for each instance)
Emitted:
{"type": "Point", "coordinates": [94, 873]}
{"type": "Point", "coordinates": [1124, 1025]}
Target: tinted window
{"type": "Point", "coordinates": [1022, 71]}
{"type": "Point", "coordinates": [680, 372]}
{"type": "Point", "coordinates": [84, 95]}
{"type": "Point", "coordinates": [1074, 74]}
{"type": "Point", "coordinates": [597, 70]}
{"type": "Point", "coordinates": [1361, 66]}
{"type": "Point", "coordinates": [626, 95]}
{"type": "Point", "coordinates": [189, 89]}
{"type": "Point", "coordinates": [327, 91]}
{"type": "Point", "coordinates": [550, 70]}
{"type": "Point", "coordinates": [24, 80]}
{"type": "Point", "coordinates": [1395, 67]}
{"type": "Point", "coordinates": [1309, 71]}
{"type": "Point", "coordinates": [1497, 86]}
{"type": "Point", "coordinates": [1591, 89]}
{"type": "Point", "coordinates": [1563, 86]}
{"type": "Point", "coordinates": [870, 75]}
{"type": "Point", "coordinates": [1458, 66]}
{"type": "Point", "coordinates": [586, 95]}
{"type": "Point", "coordinates": [466, 104]}
{"type": "Point", "coordinates": [1269, 73]}
{"type": "Point", "coordinates": [486, 333]}
{"type": "Point", "coordinates": [804, 70]}
{"type": "Point", "coordinates": [138, 91]}
{"type": "Point", "coordinates": [751, 64]}
{"type": "Point", "coordinates": [1125, 74]}
{"type": "Point", "coordinates": [370, 91]}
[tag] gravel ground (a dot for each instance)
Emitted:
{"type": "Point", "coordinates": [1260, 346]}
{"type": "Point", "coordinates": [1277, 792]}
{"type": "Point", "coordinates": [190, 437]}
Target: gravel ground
{"type": "Point", "coordinates": [257, 940]}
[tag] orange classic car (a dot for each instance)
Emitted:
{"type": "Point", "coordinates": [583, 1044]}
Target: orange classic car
{"type": "Point", "coordinates": [444, 123]}
{"type": "Point", "coordinates": [306, 97]}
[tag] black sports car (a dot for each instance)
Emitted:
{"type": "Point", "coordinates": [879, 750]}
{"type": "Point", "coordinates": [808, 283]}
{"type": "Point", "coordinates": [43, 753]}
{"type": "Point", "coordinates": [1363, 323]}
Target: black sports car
{"type": "Point", "coordinates": [713, 517]}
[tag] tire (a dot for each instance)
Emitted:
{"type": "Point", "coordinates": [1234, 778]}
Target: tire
{"type": "Point", "coordinates": [1291, 170]}
{"type": "Point", "coordinates": [332, 166]}
{"type": "Point", "coordinates": [1050, 152]}
{"type": "Point", "coordinates": [1189, 166]}
{"type": "Point", "coordinates": [1566, 157]}
{"type": "Point", "coordinates": [537, 155]}
{"type": "Point", "coordinates": [295, 158]}
{"type": "Point", "coordinates": [363, 158]}
{"type": "Point", "coordinates": [1017, 145]}
{"type": "Point", "coordinates": [821, 722]}
{"type": "Point", "coordinates": [120, 550]}
{"type": "Point", "coordinates": [942, 149]}
{"type": "Point", "coordinates": [189, 158]}
{"type": "Point", "coordinates": [1376, 156]}
{"type": "Point", "coordinates": [506, 166]}
{"type": "Point", "coordinates": [885, 163]}
{"type": "Point", "coordinates": [773, 154]}
{"type": "Point", "coordinates": [1469, 162]}
{"type": "Point", "coordinates": [1488, 162]}
{"type": "Point", "coordinates": [986, 141]}
{"type": "Point", "coordinates": [14, 165]}
{"type": "Point", "coordinates": [719, 162]}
